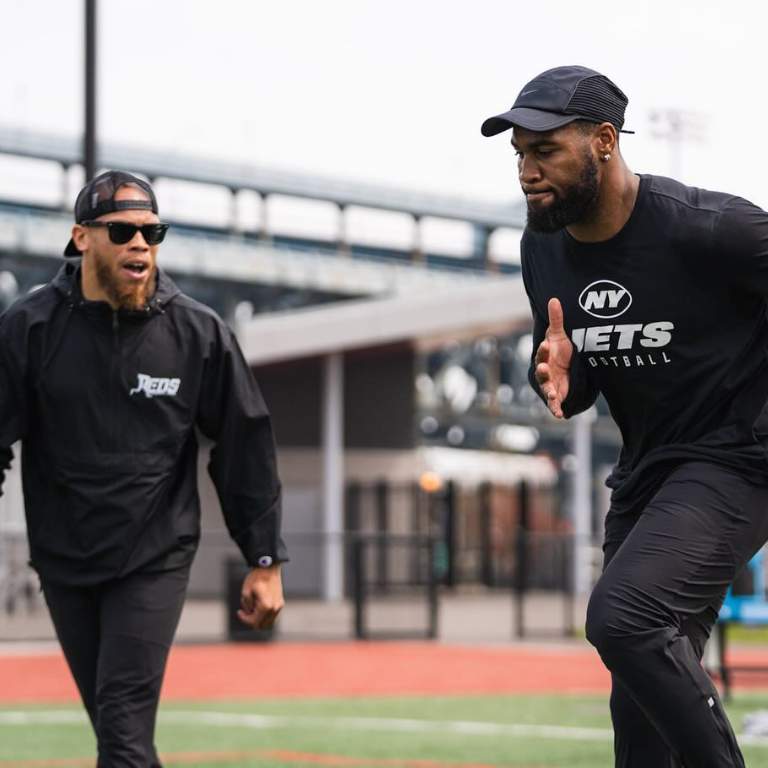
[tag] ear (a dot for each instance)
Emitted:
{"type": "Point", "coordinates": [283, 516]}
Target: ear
{"type": "Point", "coordinates": [80, 237]}
{"type": "Point", "coordinates": [606, 139]}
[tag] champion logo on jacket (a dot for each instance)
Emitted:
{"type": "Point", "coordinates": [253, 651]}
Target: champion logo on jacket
{"type": "Point", "coordinates": [155, 386]}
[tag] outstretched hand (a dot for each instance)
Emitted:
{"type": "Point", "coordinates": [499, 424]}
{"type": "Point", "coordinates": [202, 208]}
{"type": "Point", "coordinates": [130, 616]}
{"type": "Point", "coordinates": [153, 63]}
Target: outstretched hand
{"type": "Point", "coordinates": [553, 360]}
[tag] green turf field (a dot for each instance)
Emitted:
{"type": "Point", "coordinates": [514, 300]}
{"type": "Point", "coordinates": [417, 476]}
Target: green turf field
{"type": "Point", "coordinates": [530, 731]}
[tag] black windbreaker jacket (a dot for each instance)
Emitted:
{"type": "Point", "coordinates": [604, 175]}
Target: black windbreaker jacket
{"type": "Point", "coordinates": [106, 405]}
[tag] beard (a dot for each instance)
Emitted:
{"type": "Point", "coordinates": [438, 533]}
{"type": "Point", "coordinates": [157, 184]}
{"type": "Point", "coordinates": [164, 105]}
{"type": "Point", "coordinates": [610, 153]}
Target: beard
{"type": "Point", "coordinates": [124, 294]}
{"type": "Point", "coordinates": [572, 205]}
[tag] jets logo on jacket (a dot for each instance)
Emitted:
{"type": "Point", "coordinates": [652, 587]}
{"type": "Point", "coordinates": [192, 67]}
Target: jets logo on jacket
{"type": "Point", "coordinates": [155, 386]}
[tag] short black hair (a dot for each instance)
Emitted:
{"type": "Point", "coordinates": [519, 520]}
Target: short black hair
{"type": "Point", "coordinates": [586, 127]}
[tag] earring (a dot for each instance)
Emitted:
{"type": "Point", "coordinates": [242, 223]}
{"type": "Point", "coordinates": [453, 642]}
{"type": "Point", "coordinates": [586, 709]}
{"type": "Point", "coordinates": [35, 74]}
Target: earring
{"type": "Point", "coordinates": [607, 156]}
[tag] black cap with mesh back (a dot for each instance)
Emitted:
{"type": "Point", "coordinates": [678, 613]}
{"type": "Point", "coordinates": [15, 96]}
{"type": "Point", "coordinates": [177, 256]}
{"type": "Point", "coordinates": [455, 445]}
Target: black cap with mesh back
{"type": "Point", "coordinates": [558, 97]}
{"type": "Point", "coordinates": [97, 198]}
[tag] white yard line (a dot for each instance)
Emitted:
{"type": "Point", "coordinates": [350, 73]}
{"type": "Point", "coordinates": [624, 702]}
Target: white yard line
{"type": "Point", "coordinates": [377, 724]}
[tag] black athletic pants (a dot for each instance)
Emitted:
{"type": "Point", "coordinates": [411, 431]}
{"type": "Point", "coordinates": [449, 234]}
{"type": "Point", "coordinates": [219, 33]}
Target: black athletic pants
{"type": "Point", "coordinates": [116, 637]}
{"type": "Point", "coordinates": [667, 568]}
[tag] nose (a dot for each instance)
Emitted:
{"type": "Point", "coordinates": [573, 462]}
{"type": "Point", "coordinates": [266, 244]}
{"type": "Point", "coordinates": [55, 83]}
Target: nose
{"type": "Point", "coordinates": [528, 170]}
{"type": "Point", "coordinates": [138, 243]}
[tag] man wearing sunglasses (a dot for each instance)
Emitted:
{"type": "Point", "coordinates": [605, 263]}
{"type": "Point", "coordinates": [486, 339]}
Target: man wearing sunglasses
{"type": "Point", "coordinates": [106, 373]}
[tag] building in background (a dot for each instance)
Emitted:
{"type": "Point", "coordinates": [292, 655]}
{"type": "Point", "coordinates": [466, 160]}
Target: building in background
{"type": "Point", "coordinates": [388, 330]}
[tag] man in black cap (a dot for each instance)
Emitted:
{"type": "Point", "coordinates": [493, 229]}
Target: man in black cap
{"type": "Point", "coordinates": [105, 374]}
{"type": "Point", "coordinates": [653, 294]}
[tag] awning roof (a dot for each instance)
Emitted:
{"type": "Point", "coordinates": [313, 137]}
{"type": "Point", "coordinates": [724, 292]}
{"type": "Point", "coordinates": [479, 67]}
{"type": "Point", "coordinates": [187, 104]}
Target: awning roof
{"type": "Point", "coordinates": [489, 305]}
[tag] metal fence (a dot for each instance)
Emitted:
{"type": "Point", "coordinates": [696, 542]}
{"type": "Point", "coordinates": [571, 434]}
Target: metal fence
{"type": "Point", "coordinates": [411, 559]}
{"type": "Point", "coordinates": [388, 606]}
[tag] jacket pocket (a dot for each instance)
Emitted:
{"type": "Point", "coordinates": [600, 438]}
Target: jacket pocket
{"type": "Point", "coordinates": [106, 500]}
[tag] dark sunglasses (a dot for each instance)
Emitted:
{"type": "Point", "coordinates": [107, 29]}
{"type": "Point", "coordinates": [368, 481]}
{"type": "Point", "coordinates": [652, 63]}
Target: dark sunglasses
{"type": "Point", "coordinates": [122, 232]}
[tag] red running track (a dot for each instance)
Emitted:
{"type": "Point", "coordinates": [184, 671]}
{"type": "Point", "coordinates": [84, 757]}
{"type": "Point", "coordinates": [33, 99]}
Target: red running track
{"type": "Point", "coordinates": [332, 669]}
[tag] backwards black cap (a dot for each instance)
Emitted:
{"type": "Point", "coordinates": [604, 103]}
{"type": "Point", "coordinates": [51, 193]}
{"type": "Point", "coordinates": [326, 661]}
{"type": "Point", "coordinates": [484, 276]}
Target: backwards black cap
{"type": "Point", "coordinates": [97, 197]}
{"type": "Point", "coordinates": [558, 97]}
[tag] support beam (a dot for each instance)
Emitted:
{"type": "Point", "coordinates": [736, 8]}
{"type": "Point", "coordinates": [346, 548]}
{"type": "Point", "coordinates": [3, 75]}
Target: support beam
{"type": "Point", "coordinates": [264, 235]}
{"type": "Point", "coordinates": [66, 203]}
{"type": "Point", "coordinates": [481, 237]}
{"type": "Point", "coordinates": [417, 249]}
{"type": "Point", "coordinates": [234, 211]}
{"type": "Point", "coordinates": [343, 237]}
{"type": "Point", "coordinates": [333, 475]}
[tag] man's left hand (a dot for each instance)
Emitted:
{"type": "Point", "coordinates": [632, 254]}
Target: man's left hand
{"type": "Point", "coordinates": [261, 597]}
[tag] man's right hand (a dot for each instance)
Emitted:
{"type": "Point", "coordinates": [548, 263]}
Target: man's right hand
{"type": "Point", "coordinates": [553, 359]}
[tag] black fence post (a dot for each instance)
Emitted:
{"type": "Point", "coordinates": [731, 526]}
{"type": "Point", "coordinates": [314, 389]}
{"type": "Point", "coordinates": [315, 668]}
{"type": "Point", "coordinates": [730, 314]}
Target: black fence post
{"type": "Point", "coordinates": [721, 628]}
{"type": "Point", "coordinates": [352, 507]}
{"type": "Point", "coordinates": [351, 528]}
{"type": "Point", "coordinates": [522, 546]}
{"type": "Point", "coordinates": [569, 606]}
{"type": "Point", "coordinates": [381, 492]}
{"type": "Point", "coordinates": [416, 526]}
{"type": "Point", "coordinates": [432, 587]}
{"type": "Point", "coordinates": [449, 507]}
{"type": "Point", "coordinates": [487, 575]}
{"type": "Point", "coordinates": [358, 580]}
{"type": "Point", "coordinates": [428, 586]}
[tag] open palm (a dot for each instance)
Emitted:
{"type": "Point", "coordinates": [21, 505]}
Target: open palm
{"type": "Point", "coordinates": [553, 360]}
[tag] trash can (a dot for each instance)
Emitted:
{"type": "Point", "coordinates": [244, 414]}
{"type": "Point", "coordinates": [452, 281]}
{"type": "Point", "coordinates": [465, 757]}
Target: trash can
{"type": "Point", "coordinates": [236, 571]}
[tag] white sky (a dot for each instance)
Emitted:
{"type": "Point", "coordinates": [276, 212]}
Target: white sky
{"type": "Point", "coordinates": [390, 91]}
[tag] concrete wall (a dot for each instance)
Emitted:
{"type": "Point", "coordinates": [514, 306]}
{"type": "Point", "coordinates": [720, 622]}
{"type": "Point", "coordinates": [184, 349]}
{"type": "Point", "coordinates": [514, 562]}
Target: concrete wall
{"type": "Point", "coordinates": [379, 399]}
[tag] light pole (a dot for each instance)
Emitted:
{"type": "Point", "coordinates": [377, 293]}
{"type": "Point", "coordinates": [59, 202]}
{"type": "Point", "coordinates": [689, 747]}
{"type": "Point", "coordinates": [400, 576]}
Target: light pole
{"type": "Point", "coordinates": [89, 136]}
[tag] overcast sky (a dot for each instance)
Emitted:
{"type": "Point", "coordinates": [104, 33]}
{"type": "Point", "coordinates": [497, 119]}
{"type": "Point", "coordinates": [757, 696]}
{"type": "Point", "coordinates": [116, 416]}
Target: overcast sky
{"type": "Point", "coordinates": [392, 91]}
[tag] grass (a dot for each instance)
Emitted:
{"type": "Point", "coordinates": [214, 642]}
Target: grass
{"type": "Point", "coordinates": [738, 633]}
{"type": "Point", "coordinates": [378, 731]}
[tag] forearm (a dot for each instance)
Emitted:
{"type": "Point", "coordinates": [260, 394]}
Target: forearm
{"type": "Point", "coordinates": [255, 527]}
{"type": "Point", "coordinates": [243, 468]}
{"type": "Point", "coordinates": [243, 465]}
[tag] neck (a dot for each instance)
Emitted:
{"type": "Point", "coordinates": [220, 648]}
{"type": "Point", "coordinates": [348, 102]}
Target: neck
{"type": "Point", "coordinates": [91, 287]}
{"type": "Point", "coordinates": [615, 202]}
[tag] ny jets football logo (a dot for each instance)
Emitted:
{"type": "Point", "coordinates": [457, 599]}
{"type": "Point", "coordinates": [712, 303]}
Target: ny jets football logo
{"type": "Point", "coordinates": [605, 299]}
{"type": "Point", "coordinates": [624, 344]}
{"type": "Point", "coordinates": [155, 386]}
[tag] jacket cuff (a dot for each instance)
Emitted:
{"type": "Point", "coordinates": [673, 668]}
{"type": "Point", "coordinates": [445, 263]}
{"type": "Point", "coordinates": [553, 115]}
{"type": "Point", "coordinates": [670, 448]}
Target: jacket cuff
{"type": "Point", "coordinates": [262, 548]}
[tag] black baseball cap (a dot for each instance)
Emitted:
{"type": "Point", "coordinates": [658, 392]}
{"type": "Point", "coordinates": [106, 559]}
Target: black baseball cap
{"type": "Point", "coordinates": [97, 198]}
{"type": "Point", "coordinates": [558, 97]}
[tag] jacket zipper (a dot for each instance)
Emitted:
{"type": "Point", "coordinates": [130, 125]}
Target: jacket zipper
{"type": "Point", "coordinates": [114, 379]}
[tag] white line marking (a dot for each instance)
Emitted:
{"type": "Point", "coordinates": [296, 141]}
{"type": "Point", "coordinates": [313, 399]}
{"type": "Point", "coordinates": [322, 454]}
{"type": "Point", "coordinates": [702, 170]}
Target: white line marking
{"type": "Point", "coordinates": [391, 724]}
{"type": "Point", "coordinates": [39, 717]}
{"type": "Point", "coordinates": [387, 724]}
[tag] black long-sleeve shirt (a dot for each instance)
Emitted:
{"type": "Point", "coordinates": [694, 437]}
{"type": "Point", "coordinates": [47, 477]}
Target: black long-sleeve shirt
{"type": "Point", "coordinates": [106, 405]}
{"type": "Point", "coordinates": [668, 321]}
